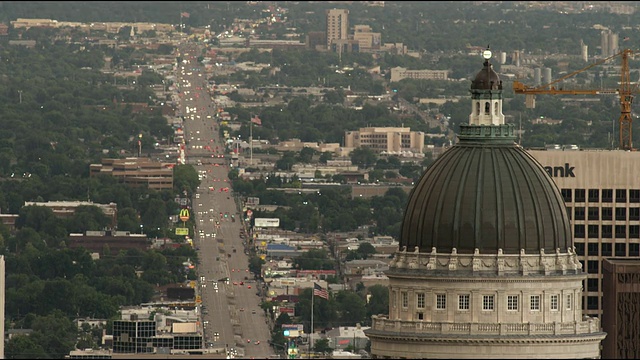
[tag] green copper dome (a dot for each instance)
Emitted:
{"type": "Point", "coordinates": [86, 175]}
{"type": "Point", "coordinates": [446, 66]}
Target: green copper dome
{"type": "Point", "coordinates": [486, 192]}
{"type": "Point", "coordinates": [486, 195]}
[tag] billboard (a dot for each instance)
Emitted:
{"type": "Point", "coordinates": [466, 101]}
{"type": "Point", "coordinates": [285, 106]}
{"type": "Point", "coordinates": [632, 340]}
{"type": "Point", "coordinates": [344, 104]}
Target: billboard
{"type": "Point", "coordinates": [267, 222]}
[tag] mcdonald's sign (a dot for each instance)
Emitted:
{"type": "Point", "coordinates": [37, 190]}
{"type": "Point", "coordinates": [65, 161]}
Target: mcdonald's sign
{"type": "Point", "coordinates": [184, 214]}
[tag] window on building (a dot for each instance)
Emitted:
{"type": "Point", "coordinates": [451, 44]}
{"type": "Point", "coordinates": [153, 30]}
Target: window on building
{"type": "Point", "coordinates": [495, 108]}
{"type": "Point", "coordinates": [594, 195]}
{"type": "Point", "coordinates": [592, 231]}
{"type": "Point", "coordinates": [594, 213]}
{"type": "Point", "coordinates": [569, 212]}
{"type": "Point", "coordinates": [534, 302]}
{"type": "Point", "coordinates": [593, 266]}
{"type": "Point", "coordinates": [512, 302]}
{"type": "Point", "coordinates": [487, 302]}
{"type": "Point", "coordinates": [592, 302]}
{"type": "Point", "coordinates": [566, 195]}
{"type": "Point", "coordinates": [592, 284]}
{"type": "Point", "coordinates": [634, 231]}
{"type": "Point", "coordinates": [579, 212]}
{"type": "Point", "coordinates": [634, 249]}
{"type": "Point", "coordinates": [568, 301]}
{"type": "Point", "coordinates": [420, 315]}
{"type": "Point", "coordinates": [621, 232]}
{"type": "Point", "coordinates": [606, 213]}
{"type": "Point", "coordinates": [592, 249]}
{"type": "Point", "coordinates": [553, 302]}
{"type": "Point", "coordinates": [606, 249]}
{"type": "Point", "coordinates": [607, 231]}
{"type": "Point", "coordinates": [621, 249]}
{"type": "Point", "coordinates": [420, 301]}
{"type": "Point", "coordinates": [405, 299]}
{"type": "Point", "coordinates": [621, 214]}
{"type": "Point", "coordinates": [579, 248]}
{"type": "Point", "coordinates": [441, 302]}
{"type": "Point", "coordinates": [463, 302]}
{"type": "Point", "coordinates": [634, 195]}
{"type": "Point", "coordinates": [579, 195]}
{"type": "Point", "coordinates": [621, 195]}
{"type": "Point", "coordinates": [607, 195]}
{"type": "Point", "coordinates": [578, 231]}
{"type": "Point", "coordinates": [487, 108]}
{"type": "Point", "coordinates": [634, 214]}
{"type": "Point", "coordinates": [477, 108]}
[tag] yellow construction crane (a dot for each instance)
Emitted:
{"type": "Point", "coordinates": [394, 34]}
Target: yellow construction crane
{"type": "Point", "coordinates": [625, 91]}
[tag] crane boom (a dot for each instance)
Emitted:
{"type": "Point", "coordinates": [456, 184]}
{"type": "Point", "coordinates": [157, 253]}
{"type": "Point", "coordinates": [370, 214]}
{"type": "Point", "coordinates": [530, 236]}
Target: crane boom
{"type": "Point", "coordinates": [626, 92]}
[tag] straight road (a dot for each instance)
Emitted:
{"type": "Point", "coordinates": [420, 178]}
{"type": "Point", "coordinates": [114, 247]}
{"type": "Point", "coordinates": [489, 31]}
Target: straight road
{"type": "Point", "coordinates": [231, 313]}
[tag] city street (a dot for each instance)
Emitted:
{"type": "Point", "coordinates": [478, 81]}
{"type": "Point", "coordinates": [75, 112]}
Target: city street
{"type": "Point", "coordinates": [232, 317]}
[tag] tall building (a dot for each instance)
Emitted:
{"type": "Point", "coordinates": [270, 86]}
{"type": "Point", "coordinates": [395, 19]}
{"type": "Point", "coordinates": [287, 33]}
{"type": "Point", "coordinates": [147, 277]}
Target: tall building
{"type": "Point", "coordinates": [608, 43]}
{"type": "Point", "coordinates": [621, 314]}
{"type": "Point", "coordinates": [602, 195]}
{"type": "Point", "coordinates": [337, 25]}
{"type": "Point", "coordinates": [486, 266]}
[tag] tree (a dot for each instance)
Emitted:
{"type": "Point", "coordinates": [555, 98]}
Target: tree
{"type": "Point", "coordinates": [322, 346]}
{"type": "Point", "coordinates": [363, 157]}
{"type": "Point", "coordinates": [378, 303]}
{"type": "Point", "coordinates": [366, 249]}
{"type": "Point", "coordinates": [306, 155]}
{"type": "Point", "coordinates": [25, 347]}
{"type": "Point", "coordinates": [255, 265]}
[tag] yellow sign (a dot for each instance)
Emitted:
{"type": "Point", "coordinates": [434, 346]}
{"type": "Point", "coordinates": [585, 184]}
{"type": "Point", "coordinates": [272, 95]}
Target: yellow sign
{"type": "Point", "coordinates": [198, 299]}
{"type": "Point", "coordinates": [192, 284]}
{"type": "Point", "coordinates": [184, 214]}
{"type": "Point", "coordinates": [182, 231]}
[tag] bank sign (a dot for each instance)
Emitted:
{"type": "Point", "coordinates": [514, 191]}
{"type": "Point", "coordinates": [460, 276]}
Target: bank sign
{"type": "Point", "coordinates": [565, 171]}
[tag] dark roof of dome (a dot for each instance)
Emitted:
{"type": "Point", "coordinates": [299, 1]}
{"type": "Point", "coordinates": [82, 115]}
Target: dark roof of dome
{"type": "Point", "coordinates": [486, 79]}
{"type": "Point", "coordinates": [489, 195]}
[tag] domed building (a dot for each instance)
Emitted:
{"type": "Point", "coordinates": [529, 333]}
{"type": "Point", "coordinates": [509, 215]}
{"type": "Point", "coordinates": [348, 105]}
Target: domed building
{"type": "Point", "coordinates": [486, 265]}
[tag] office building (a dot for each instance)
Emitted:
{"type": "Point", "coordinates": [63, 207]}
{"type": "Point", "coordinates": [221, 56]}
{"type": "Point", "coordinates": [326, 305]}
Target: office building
{"type": "Point", "coordinates": [136, 172]}
{"type": "Point", "coordinates": [486, 266]}
{"type": "Point", "coordinates": [602, 194]}
{"type": "Point", "coordinates": [388, 140]}
{"type": "Point", "coordinates": [398, 73]}
{"type": "Point", "coordinates": [337, 25]}
{"type": "Point", "coordinates": [367, 40]}
{"type": "Point", "coordinates": [621, 310]}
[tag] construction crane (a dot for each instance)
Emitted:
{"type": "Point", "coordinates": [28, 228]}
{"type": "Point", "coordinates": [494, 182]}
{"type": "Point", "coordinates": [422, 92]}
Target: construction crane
{"type": "Point", "coordinates": [625, 92]}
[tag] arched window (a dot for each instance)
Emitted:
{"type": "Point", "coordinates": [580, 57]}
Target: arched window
{"type": "Point", "coordinates": [495, 109]}
{"type": "Point", "coordinates": [478, 108]}
{"type": "Point", "coordinates": [487, 108]}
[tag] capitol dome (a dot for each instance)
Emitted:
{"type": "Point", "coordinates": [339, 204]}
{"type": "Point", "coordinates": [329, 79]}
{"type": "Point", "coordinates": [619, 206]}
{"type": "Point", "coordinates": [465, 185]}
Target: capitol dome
{"type": "Point", "coordinates": [486, 195]}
